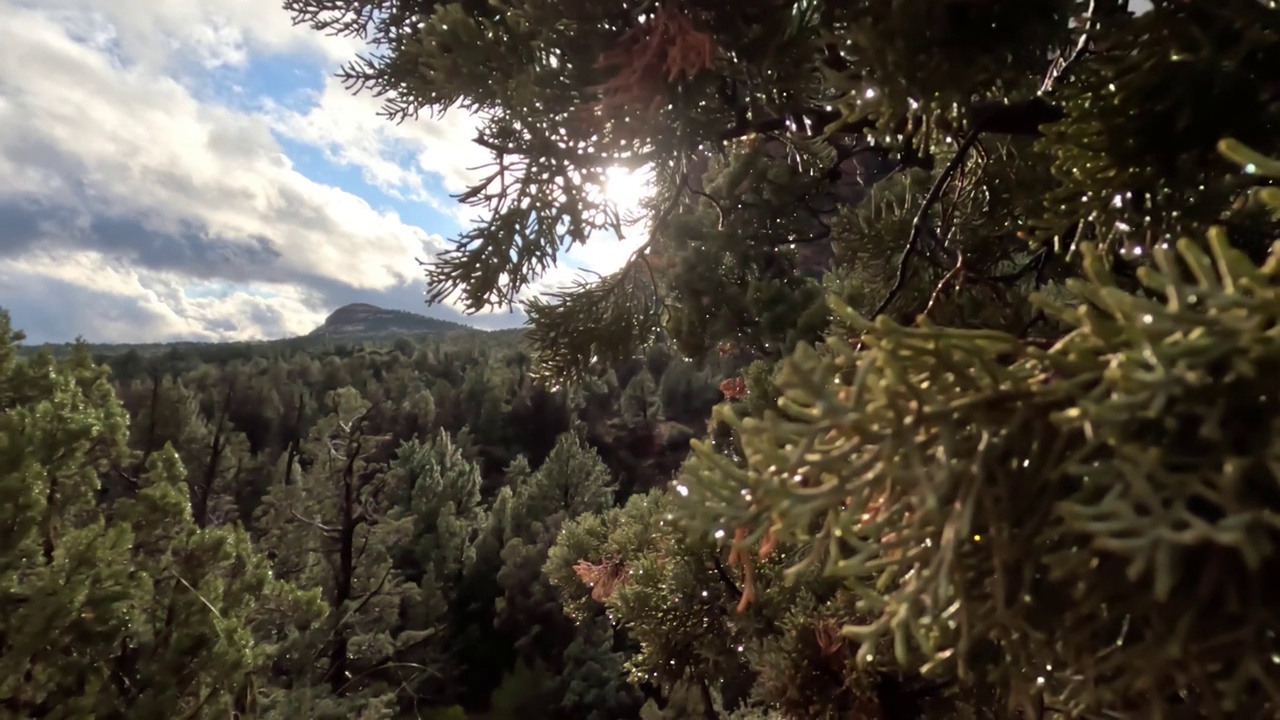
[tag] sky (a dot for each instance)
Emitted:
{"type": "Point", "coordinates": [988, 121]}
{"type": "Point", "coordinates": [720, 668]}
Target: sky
{"type": "Point", "coordinates": [191, 170]}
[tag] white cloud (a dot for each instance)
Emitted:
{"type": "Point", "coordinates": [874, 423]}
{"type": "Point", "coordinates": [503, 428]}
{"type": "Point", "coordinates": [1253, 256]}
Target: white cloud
{"type": "Point", "coordinates": [129, 185]}
{"type": "Point", "coordinates": [131, 304]}
{"type": "Point", "coordinates": [602, 254]}
{"type": "Point", "coordinates": [147, 149]}
{"type": "Point", "coordinates": [394, 157]}
{"type": "Point", "coordinates": [158, 33]}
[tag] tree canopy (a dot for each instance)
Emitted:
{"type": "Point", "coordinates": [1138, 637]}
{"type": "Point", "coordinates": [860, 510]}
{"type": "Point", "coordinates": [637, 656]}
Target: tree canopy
{"type": "Point", "coordinates": [311, 529]}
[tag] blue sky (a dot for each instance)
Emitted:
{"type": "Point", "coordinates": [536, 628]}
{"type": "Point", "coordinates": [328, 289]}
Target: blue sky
{"type": "Point", "coordinates": [190, 169]}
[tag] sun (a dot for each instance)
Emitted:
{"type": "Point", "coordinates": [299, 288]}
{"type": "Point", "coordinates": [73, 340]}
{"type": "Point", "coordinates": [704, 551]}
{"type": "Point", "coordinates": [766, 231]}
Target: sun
{"type": "Point", "coordinates": [627, 189]}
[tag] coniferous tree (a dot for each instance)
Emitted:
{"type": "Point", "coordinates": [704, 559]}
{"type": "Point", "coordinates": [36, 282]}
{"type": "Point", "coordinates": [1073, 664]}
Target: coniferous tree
{"type": "Point", "coordinates": [641, 404]}
{"type": "Point", "coordinates": [336, 528]}
{"type": "Point", "coordinates": [448, 516]}
{"type": "Point", "coordinates": [571, 481]}
{"type": "Point", "coordinates": [122, 608]}
{"type": "Point", "coordinates": [593, 683]}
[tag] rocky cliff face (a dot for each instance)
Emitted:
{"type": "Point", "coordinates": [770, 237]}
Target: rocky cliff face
{"type": "Point", "coordinates": [361, 319]}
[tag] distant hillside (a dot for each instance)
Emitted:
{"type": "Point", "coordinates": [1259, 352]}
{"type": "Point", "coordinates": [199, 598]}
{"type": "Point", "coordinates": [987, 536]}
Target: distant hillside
{"type": "Point", "coordinates": [361, 320]}
{"type": "Point", "coordinates": [350, 324]}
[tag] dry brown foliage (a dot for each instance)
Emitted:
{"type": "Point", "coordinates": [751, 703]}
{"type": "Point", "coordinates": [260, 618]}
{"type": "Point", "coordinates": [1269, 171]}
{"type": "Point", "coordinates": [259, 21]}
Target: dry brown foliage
{"type": "Point", "coordinates": [650, 57]}
{"type": "Point", "coordinates": [602, 578]}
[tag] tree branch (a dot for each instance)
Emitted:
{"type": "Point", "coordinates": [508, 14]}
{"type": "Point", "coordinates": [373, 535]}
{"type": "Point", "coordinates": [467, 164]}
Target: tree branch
{"type": "Point", "coordinates": [921, 223]}
{"type": "Point", "coordinates": [631, 162]}
{"type": "Point", "coordinates": [723, 574]}
{"type": "Point", "coordinates": [328, 531]}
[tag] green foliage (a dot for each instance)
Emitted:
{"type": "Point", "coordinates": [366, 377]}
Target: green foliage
{"type": "Point", "coordinates": [1035, 488]}
{"type": "Point", "coordinates": [613, 318]}
{"type": "Point", "coordinates": [445, 500]}
{"type": "Point", "coordinates": [744, 115]}
{"type": "Point", "coordinates": [996, 196]}
{"type": "Point", "coordinates": [377, 492]}
{"type": "Point", "coordinates": [1059, 509]}
{"type": "Point", "coordinates": [122, 609]}
{"type": "Point", "coordinates": [446, 507]}
{"type": "Point", "coordinates": [572, 481]}
{"type": "Point", "coordinates": [773, 54]}
{"type": "Point", "coordinates": [523, 691]}
{"type": "Point", "coordinates": [336, 528]}
{"type": "Point", "coordinates": [681, 601]}
{"type": "Point", "coordinates": [736, 258]}
{"type": "Point", "coordinates": [641, 404]}
{"type": "Point", "coordinates": [453, 712]}
{"type": "Point", "coordinates": [1136, 150]}
{"type": "Point", "coordinates": [644, 567]}
{"type": "Point", "coordinates": [594, 683]}
{"type": "Point", "coordinates": [684, 700]}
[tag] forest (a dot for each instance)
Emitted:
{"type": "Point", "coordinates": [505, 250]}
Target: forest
{"type": "Point", "coordinates": [943, 383]}
{"type": "Point", "coordinates": [371, 519]}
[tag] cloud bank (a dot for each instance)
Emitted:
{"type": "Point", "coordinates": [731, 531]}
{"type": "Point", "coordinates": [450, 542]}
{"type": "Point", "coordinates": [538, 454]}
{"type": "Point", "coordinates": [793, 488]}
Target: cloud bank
{"type": "Point", "coordinates": [186, 169]}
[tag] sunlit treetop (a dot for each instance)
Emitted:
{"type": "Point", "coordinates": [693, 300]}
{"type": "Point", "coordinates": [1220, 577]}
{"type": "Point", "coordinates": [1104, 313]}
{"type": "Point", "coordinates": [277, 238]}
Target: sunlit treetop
{"type": "Point", "coordinates": [1106, 118]}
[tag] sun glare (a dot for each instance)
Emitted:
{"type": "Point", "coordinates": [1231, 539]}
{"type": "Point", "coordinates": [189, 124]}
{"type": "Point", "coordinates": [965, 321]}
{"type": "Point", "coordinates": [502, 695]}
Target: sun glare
{"type": "Point", "coordinates": [626, 189]}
